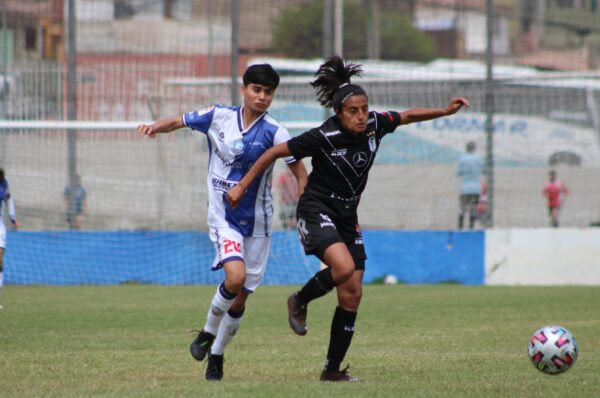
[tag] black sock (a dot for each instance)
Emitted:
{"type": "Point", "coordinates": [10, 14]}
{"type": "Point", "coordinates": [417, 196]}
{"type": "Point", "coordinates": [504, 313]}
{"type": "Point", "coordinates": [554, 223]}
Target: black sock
{"type": "Point", "coordinates": [317, 286]}
{"type": "Point", "coordinates": [342, 330]}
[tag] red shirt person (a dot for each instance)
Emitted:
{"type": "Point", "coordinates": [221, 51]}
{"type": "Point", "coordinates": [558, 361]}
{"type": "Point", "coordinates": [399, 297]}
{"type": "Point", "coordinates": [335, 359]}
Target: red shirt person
{"type": "Point", "coordinates": [555, 191]}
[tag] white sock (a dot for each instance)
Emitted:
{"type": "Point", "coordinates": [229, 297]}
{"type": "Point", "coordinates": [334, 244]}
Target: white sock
{"type": "Point", "coordinates": [228, 328]}
{"type": "Point", "coordinates": [218, 308]}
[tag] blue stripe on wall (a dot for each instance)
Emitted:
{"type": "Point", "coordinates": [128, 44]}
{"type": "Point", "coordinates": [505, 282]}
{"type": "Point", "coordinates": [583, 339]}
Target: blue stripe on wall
{"type": "Point", "coordinates": [72, 258]}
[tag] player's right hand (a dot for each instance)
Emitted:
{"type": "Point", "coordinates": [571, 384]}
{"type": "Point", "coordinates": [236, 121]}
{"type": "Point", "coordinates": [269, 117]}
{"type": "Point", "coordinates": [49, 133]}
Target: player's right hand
{"type": "Point", "coordinates": [147, 130]}
{"type": "Point", "coordinates": [234, 196]}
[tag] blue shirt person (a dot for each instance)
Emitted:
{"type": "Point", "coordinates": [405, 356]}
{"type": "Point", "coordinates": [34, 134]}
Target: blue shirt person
{"type": "Point", "coordinates": [79, 195]}
{"type": "Point", "coordinates": [469, 169]}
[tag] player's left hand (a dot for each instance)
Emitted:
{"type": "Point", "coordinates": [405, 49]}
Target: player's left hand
{"type": "Point", "coordinates": [14, 224]}
{"type": "Point", "coordinates": [234, 196]}
{"type": "Point", "coordinates": [456, 104]}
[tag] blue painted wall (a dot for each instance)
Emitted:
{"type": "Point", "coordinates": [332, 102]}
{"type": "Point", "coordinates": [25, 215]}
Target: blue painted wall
{"type": "Point", "coordinates": [72, 258]}
{"type": "Point", "coordinates": [426, 256]}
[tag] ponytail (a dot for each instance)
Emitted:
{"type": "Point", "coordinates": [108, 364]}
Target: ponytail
{"type": "Point", "coordinates": [333, 83]}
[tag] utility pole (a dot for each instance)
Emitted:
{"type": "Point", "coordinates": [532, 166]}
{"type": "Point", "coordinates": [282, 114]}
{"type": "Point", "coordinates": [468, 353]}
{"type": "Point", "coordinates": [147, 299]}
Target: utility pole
{"type": "Point", "coordinates": [489, 109]}
{"type": "Point", "coordinates": [327, 39]}
{"type": "Point", "coordinates": [4, 56]}
{"type": "Point", "coordinates": [235, 90]}
{"type": "Point", "coordinates": [72, 112]}
{"type": "Point", "coordinates": [373, 31]}
{"type": "Point", "coordinates": [339, 28]}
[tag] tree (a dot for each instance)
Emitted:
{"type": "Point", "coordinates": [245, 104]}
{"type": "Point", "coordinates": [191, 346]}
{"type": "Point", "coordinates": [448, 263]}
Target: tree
{"type": "Point", "coordinates": [298, 33]}
{"type": "Point", "coordinates": [402, 41]}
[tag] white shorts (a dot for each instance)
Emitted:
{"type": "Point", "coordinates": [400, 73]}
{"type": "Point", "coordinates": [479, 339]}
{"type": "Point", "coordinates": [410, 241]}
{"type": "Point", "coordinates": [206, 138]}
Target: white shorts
{"type": "Point", "coordinates": [253, 251]}
{"type": "Point", "coordinates": [2, 236]}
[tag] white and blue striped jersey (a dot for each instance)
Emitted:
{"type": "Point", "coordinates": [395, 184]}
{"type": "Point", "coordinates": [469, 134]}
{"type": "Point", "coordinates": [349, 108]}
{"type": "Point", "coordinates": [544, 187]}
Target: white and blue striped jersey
{"type": "Point", "coordinates": [6, 200]}
{"type": "Point", "coordinates": [233, 150]}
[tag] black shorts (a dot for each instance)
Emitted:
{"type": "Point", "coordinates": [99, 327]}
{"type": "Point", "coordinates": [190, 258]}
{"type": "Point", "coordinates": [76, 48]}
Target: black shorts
{"type": "Point", "coordinates": [320, 229]}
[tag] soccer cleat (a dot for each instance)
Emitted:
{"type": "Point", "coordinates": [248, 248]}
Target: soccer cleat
{"type": "Point", "coordinates": [214, 367]}
{"type": "Point", "coordinates": [297, 315]}
{"type": "Point", "coordinates": [341, 375]}
{"type": "Point", "coordinates": [201, 345]}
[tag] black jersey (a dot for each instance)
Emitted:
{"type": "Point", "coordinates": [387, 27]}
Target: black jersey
{"type": "Point", "coordinates": [340, 160]}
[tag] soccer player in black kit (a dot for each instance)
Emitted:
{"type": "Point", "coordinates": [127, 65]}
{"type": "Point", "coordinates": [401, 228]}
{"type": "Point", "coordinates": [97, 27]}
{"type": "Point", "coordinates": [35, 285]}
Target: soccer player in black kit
{"type": "Point", "coordinates": [343, 150]}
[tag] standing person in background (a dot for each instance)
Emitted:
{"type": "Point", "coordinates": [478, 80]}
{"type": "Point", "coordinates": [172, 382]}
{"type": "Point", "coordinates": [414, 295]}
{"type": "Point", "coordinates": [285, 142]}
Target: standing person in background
{"type": "Point", "coordinates": [288, 199]}
{"type": "Point", "coordinates": [343, 150]}
{"type": "Point", "coordinates": [469, 169]}
{"type": "Point", "coordinates": [80, 197]}
{"type": "Point", "coordinates": [237, 137]}
{"type": "Point", "coordinates": [483, 214]}
{"type": "Point", "coordinates": [6, 200]}
{"type": "Point", "coordinates": [555, 192]}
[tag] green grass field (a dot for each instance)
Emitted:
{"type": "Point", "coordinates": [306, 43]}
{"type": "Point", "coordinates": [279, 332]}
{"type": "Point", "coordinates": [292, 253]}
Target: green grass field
{"type": "Point", "coordinates": [414, 341]}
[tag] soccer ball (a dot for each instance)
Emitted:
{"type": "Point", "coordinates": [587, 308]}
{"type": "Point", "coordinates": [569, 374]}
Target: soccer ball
{"type": "Point", "coordinates": [552, 349]}
{"type": "Point", "coordinates": [390, 279]}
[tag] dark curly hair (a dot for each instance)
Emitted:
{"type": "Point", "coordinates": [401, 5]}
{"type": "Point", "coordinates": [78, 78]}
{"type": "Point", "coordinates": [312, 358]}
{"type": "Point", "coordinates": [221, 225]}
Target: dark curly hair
{"type": "Point", "coordinates": [333, 83]}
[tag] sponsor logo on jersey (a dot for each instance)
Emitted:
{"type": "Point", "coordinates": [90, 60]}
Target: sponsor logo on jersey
{"type": "Point", "coordinates": [221, 136]}
{"type": "Point", "coordinates": [260, 144]}
{"type": "Point", "coordinates": [230, 162]}
{"type": "Point", "coordinates": [222, 185]}
{"type": "Point", "coordinates": [325, 217]}
{"type": "Point", "coordinates": [339, 152]}
{"type": "Point", "coordinates": [360, 159]}
{"type": "Point", "coordinates": [326, 221]}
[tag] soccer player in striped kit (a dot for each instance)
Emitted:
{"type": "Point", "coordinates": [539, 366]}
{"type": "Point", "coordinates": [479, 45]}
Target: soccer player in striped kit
{"type": "Point", "coordinates": [6, 200]}
{"type": "Point", "coordinates": [237, 137]}
{"type": "Point", "coordinates": [343, 150]}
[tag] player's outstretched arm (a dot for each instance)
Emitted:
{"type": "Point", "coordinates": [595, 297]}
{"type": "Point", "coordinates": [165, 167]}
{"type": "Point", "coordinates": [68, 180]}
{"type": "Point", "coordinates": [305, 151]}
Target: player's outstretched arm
{"type": "Point", "coordinates": [160, 126]}
{"type": "Point", "coordinates": [423, 114]}
{"type": "Point", "coordinates": [235, 194]}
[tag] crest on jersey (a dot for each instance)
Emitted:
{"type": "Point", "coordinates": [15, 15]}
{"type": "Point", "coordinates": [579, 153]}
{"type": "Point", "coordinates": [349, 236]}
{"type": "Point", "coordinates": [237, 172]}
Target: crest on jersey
{"type": "Point", "coordinates": [372, 144]}
{"type": "Point", "coordinates": [236, 147]}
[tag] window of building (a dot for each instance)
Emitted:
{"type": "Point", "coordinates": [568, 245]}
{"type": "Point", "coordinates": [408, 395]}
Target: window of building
{"type": "Point", "coordinates": [30, 39]}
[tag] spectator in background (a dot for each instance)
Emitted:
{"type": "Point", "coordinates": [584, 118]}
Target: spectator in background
{"type": "Point", "coordinates": [5, 200]}
{"type": "Point", "coordinates": [288, 198]}
{"type": "Point", "coordinates": [483, 214]}
{"type": "Point", "coordinates": [469, 169]}
{"type": "Point", "coordinates": [79, 195]}
{"type": "Point", "coordinates": [555, 191]}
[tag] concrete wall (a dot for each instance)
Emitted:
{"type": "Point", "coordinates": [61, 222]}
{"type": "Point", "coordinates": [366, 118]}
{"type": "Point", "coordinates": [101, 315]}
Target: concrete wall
{"type": "Point", "coordinates": [542, 257]}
